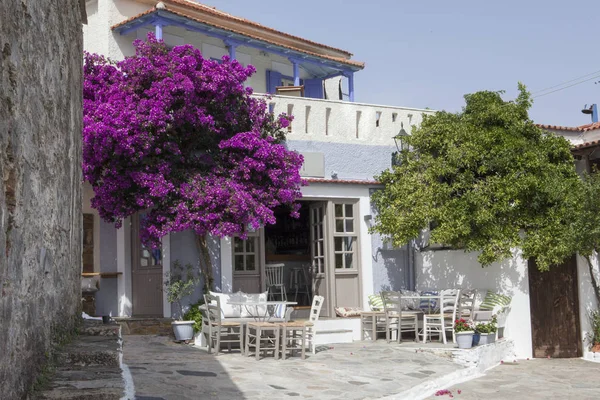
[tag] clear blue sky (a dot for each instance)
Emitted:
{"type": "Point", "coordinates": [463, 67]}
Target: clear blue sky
{"type": "Point", "coordinates": [430, 53]}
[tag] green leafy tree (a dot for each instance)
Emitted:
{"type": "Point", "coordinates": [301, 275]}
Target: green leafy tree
{"type": "Point", "coordinates": [484, 179]}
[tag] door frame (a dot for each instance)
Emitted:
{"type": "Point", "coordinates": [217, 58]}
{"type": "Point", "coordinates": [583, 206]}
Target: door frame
{"type": "Point", "coordinates": [125, 286]}
{"type": "Point", "coordinates": [330, 242]}
{"type": "Point", "coordinates": [574, 266]}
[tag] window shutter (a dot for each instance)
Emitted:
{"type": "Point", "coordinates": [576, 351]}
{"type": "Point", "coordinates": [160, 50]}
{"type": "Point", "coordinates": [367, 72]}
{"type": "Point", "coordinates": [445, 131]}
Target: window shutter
{"type": "Point", "coordinates": [273, 80]}
{"type": "Point", "coordinates": [313, 88]}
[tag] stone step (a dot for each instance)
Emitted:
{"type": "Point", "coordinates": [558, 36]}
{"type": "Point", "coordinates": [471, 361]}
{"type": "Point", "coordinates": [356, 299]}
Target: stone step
{"type": "Point", "coordinates": [85, 383]}
{"type": "Point", "coordinates": [97, 328]}
{"type": "Point", "coordinates": [91, 351]}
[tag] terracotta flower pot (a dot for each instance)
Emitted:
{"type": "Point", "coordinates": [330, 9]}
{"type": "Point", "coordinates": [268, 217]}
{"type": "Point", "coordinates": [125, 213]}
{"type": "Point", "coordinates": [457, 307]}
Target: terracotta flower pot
{"type": "Point", "coordinates": [596, 348]}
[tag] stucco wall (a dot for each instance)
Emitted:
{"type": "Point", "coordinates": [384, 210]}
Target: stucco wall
{"type": "Point", "coordinates": [348, 160]}
{"type": "Point", "coordinates": [587, 298]}
{"type": "Point", "coordinates": [184, 250]}
{"type": "Point", "coordinates": [40, 184]}
{"type": "Point", "coordinates": [457, 269]}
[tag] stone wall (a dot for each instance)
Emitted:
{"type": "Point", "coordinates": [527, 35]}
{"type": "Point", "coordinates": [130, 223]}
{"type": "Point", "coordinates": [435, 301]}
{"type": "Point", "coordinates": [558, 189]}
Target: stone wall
{"type": "Point", "coordinates": [40, 183]}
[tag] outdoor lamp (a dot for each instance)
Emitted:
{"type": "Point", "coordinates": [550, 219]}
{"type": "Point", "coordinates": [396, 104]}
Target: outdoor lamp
{"type": "Point", "coordinates": [399, 139]}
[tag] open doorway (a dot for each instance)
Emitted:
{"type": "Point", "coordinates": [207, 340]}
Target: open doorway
{"type": "Point", "coordinates": [288, 242]}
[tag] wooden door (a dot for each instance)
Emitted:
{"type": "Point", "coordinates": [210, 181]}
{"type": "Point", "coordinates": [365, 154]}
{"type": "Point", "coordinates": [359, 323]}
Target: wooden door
{"type": "Point", "coordinates": [319, 259]}
{"type": "Point", "coordinates": [345, 251]}
{"type": "Point", "coordinates": [247, 263]}
{"type": "Point", "coordinates": [146, 275]}
{"type": "Point", "coordinates": [554, 303]}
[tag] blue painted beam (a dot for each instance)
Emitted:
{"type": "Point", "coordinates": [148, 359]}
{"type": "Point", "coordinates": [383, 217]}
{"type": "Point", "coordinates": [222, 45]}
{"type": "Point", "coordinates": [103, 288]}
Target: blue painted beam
{"type": "Point", "coordinates": [158, 31]}
{"type": "Point", "coordinates": [350, 77]}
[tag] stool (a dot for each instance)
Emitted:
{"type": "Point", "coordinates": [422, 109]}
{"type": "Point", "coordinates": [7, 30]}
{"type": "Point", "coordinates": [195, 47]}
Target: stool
{"type": "Point", "coordinates": [260, 342]}
{"type": "Point", "coordinates": [293, 335]}
{"type": "Point", "coordinates": [372, 322]}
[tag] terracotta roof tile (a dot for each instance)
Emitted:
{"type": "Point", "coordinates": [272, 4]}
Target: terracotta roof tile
{"type": "Point", "coordinates": [560, 128]}
{"type": "Point", "coordinates": [586, 145]}
{"type": "Point", "coordinates": [212, 10]}
{"type": "Point", "coordinates": [185, 15]}
{"type": "Point", "coordinates": [344, 181]}
{"type": "Point", "coordinates": [590, 127]}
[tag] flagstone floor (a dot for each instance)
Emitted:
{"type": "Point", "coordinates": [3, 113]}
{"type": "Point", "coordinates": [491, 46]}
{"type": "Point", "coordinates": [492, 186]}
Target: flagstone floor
{"type": "Point", "coordinates": [162, 369]}
{"type": "Point", "coordinates": [558, 378]}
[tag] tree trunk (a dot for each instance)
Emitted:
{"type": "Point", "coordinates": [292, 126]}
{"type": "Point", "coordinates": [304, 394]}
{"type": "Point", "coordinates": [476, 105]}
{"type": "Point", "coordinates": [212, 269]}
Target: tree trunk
{"type": "Point", "coordinates": [205, 263]}
{"type": "Point", "coordinates": [594, 281]}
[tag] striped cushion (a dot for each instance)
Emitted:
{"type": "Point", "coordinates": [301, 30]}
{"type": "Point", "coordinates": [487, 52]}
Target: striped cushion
{"type": "Point", "coordinates": [493, 300]}
{"type": "Point", "coordinates": [375, 302]}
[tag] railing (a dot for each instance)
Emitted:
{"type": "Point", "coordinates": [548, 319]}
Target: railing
{"type": "Point", "coordinates": [344, 122]}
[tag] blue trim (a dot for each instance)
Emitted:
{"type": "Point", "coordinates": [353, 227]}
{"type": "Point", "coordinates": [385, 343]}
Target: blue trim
{"type": "Point", "coordinates": [231, 46]}
{"type": "Point", "coordinates": [594, 113]}
{"type": "Point", "coordinates": [296, 73]}
{"type": "Point", "coordinates": [350, 77]}
{"type": "Point", "coordinates": [165, 18]}
{"type": "Point", "coordinates": [158, 31]}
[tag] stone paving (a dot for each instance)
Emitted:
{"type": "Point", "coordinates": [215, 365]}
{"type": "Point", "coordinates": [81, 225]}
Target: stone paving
{"type": "Point", "coordinates": [162, 369]}
{"type": "Point", "coordinates": [533, 379]}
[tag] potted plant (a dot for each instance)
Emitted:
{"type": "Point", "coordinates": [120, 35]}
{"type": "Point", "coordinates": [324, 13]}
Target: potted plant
{"type": "Point", "coordinates": [179, 283]}
{"type": "Point", "coordinates": [487, 331]}
{"type": "Point", "coordinates": [464, 333]}
{"type": "Point", "coordinates": [593, 336]}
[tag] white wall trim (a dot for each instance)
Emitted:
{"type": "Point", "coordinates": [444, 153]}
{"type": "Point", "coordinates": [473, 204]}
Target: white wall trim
{"type": "Point", "coordinates": [226, 265]}
{"type": "Point", "coordinates": [124, 267]}
{"type": "Point", "coordinates": [166, 264]}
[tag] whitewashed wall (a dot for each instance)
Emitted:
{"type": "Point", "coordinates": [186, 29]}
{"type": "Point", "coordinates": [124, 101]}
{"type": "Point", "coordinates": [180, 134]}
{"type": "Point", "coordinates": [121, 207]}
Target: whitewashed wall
{"type": "Point", "coordinates": [587, 298]}
{"type": "Point", "coordinates": [457, 269]}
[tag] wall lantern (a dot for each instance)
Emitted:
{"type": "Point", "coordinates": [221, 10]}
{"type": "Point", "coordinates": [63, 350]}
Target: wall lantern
{"type": "Point", "coordinates": [399, 139]}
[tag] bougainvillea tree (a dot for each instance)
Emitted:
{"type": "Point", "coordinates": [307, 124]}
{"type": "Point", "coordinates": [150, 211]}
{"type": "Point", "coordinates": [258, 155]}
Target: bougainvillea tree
{"type": "Point", "coordinates": [180, 137]}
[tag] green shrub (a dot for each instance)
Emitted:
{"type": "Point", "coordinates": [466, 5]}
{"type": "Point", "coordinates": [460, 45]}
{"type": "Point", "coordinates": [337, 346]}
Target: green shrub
{"type": "Point", "coordinates": [593, 337]}
{"type": "Point", "coordinates": [194, 314]}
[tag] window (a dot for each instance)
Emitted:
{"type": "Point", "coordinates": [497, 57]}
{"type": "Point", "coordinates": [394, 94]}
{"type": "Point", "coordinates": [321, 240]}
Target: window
{"type": "Point", "coordinates": [345, 236]}
{"type": "Point", "coordinates": [245, 254]}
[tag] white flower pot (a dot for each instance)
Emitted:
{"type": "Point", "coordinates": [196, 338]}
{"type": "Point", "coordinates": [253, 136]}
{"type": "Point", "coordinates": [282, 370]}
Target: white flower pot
{"type": "Point", "coordinates": [487, 338]}
{"type": "Point", "coordinates": [464, 339]}
{"type": "Point", "coordinates": [183, 330]}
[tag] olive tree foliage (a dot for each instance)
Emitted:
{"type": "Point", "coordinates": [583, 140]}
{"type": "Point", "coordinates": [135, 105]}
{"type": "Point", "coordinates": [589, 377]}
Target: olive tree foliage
{"type": "Point", "coordinates": [485, 179]}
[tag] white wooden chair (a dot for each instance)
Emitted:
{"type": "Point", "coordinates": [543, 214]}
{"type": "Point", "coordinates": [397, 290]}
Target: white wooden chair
{"type": "Point", "coordinates": [219, 331]}
{"type": "Point", "coordinates": [274, 276]}
{"type": "Point", "coordinates": [311, 329]}
{"type": "Point", "coordinates": [396, 319]}
{"type": "Point", "coordinates": [443, 320]}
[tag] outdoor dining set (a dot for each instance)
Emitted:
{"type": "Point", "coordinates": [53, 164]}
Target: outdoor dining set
{"type": "Point", "coordinates": [261, 325]}
{"type": "Point", "coordinates": [428, 313]}
{"type": "Point", "coordinates": [257, 325]}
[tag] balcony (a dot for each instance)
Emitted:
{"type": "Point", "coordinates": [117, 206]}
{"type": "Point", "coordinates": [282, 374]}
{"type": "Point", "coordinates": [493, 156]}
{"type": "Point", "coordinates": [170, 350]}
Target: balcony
{"type": "Point", "coordinates": [344, 122]}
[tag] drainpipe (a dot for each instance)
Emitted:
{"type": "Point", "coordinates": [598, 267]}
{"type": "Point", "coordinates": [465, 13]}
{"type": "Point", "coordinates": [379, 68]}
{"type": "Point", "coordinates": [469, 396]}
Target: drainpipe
{"type": "Point", "coordinates": [594, 113]}
{"type": "Point", "coordinates": [411, 264]}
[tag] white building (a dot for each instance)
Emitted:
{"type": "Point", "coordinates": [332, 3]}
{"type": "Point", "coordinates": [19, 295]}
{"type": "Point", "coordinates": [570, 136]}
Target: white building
{"type": "Point", "coordinates": [345, 144]}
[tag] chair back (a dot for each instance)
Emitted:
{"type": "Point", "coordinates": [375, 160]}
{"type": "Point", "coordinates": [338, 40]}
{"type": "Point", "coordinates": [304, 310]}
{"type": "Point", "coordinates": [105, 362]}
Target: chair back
{"type": "Point", "coordinates": [392, 303]}
{"type": "Point", "coordinates": [274, 274]}
{"type": "Point", "coordinates": [212, 308]}
{"type": "Point", "coordinates": [450, 302]}
{"type": "Point", "coordinates": [315, 309]}
{"type": "Point", "coordinates": [466, 304]}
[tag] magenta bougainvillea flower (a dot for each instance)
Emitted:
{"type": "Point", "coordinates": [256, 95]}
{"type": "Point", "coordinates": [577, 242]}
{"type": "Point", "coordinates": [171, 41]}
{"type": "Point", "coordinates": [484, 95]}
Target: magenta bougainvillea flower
{"type": "Point", "coordinates": [171, 133]}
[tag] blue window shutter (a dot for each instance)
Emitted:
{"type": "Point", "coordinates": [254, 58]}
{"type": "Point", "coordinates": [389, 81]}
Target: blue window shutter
{"type": "Point", "coordinates": [273, 80]}
{"type": "Point", "coordinates": [313, 88]}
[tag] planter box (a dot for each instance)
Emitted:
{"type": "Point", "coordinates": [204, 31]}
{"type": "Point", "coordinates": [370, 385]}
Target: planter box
{"type": "Point", "coordinates": [464, 339]}
{"type": "Point", "coordinates": [487, 338]}
{"type": "Point", "coordinates": [183, 330]}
